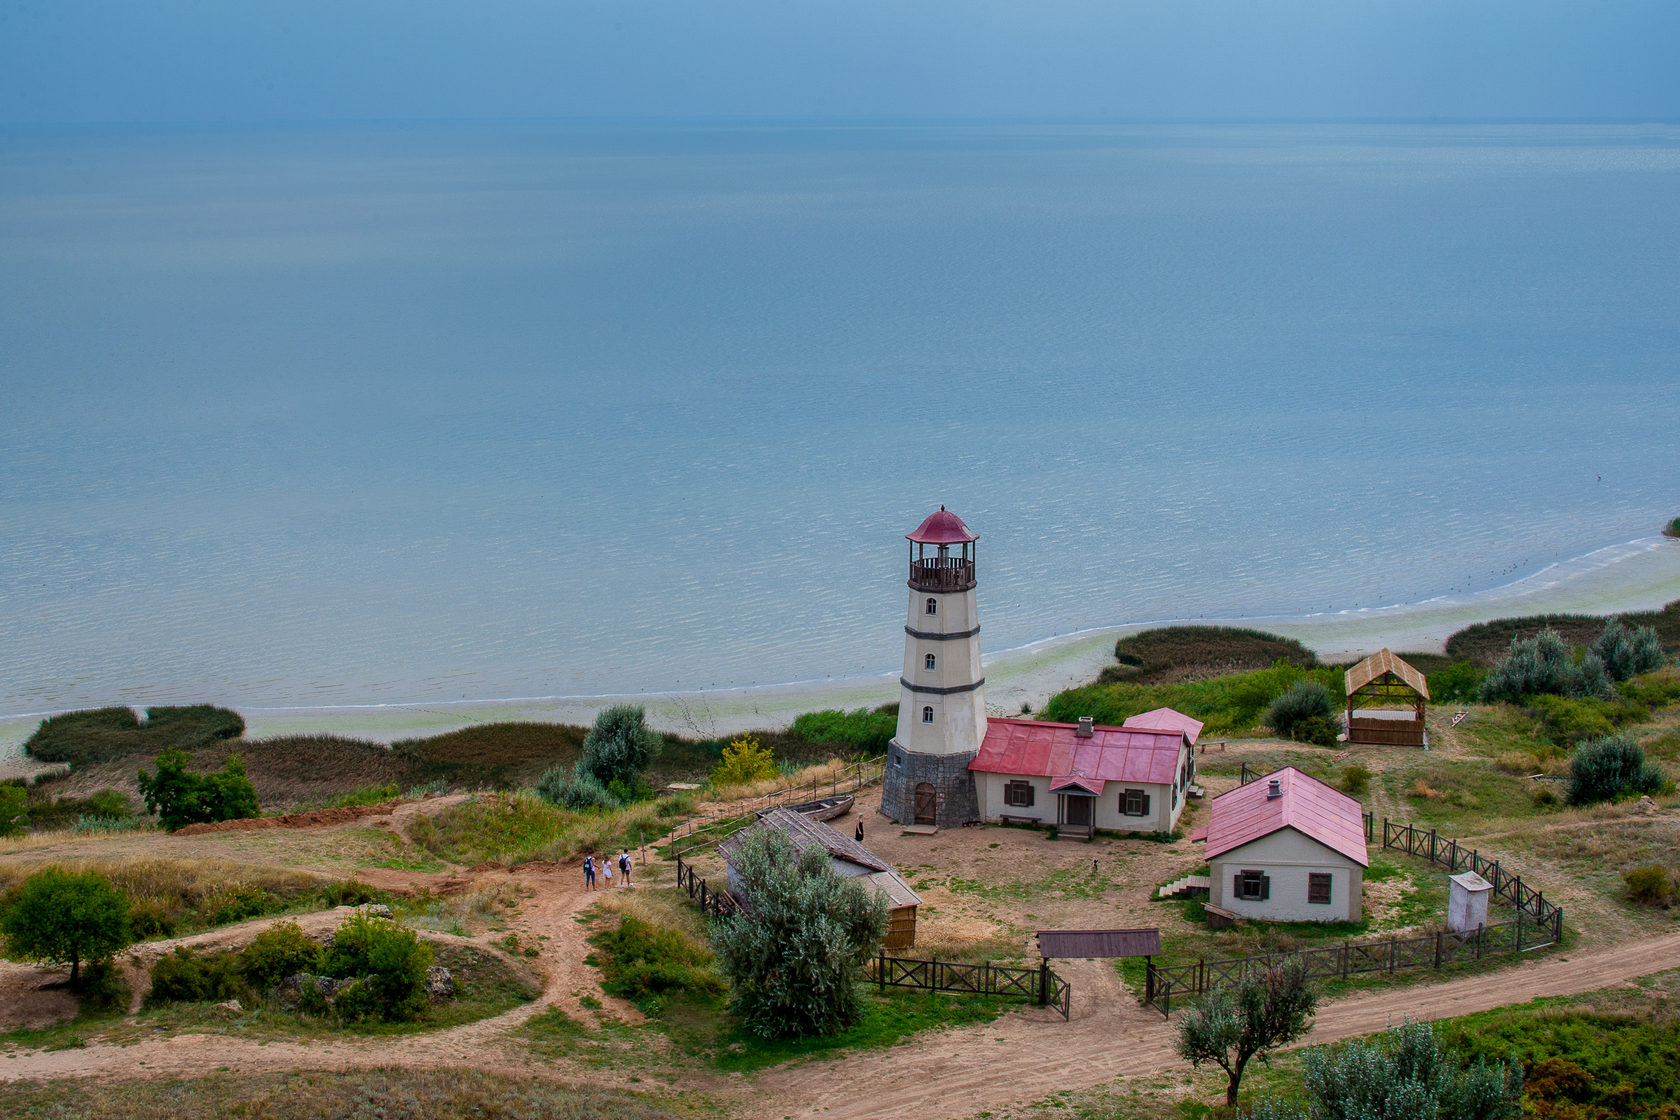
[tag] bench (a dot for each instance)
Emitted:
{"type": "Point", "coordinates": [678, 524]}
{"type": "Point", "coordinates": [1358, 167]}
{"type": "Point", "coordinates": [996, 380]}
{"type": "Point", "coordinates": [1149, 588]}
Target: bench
{"type": "Point", "coordinates": [1017, 818]}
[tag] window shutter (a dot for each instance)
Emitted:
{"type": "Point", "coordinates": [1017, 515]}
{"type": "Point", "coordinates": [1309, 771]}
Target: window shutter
{"type": "Point", "coordinates": [1030, 792]}
{"type": "Point", "coordinates": [1145, 812]}
{"type": "Point", "coordinates": [1236, 886]}
{"type": "Point", "coordinates": [1265, 887]}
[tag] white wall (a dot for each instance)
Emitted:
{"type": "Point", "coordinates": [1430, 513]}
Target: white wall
{"type": "Point", "coordinates": [1288, 856]}
{"type": "Point", "coordinates": [1165, 807]}
{"type": "Point", "coordinates": [959, 718]}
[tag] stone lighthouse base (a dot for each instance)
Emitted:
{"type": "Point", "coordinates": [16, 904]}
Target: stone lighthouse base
{"type": "Point", "coordinates": [952, 786]}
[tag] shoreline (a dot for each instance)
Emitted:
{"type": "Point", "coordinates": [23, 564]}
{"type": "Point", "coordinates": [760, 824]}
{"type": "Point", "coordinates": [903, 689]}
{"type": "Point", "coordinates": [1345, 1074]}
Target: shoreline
{"type": "Point", "coordinates": [1641, 574]}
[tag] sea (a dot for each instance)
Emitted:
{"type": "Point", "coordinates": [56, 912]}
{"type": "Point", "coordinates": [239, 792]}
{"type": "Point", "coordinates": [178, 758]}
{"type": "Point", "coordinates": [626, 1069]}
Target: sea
{"type": "Point", "coordinates": [407, 414]}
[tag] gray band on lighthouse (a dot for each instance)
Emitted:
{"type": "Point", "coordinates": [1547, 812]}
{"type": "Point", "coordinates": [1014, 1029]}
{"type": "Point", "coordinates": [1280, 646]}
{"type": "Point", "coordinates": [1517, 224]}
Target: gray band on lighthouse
{"type": "Point", "coordinates": [928, 634]}
{"type": "Point", "coordinates": [927, 691]}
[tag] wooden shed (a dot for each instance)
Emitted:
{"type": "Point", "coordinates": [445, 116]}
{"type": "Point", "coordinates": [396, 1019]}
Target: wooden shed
{"type": "Point", "coordinates": [1386, 698]}
{"type": "Point", "coordinates": [847, 858]}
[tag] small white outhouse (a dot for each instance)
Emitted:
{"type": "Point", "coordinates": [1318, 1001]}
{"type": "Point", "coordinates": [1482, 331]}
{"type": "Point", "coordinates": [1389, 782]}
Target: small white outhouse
{"type": "Point", "coordinates": [1468, 895]}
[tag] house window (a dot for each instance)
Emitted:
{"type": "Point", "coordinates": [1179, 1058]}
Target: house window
{"type": "Point", "coordinates": [927, 714]}
{"type": "Point", "coordinates": [1252, 886]}
{"type": "Point", "coordinates": [1018, 793]}
{"type": "Point", "coordinates": [929, 661]}
{"type": "Point", "coordinates": [1134, 802]}
{"type": "Point", "coordinates": [1318, 887]}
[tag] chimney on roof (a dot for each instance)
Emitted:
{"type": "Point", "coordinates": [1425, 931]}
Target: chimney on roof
{"type": "Point", "coordinates": [1274, 789]}
{"type": "Point", "coordinates": [1085, 723]}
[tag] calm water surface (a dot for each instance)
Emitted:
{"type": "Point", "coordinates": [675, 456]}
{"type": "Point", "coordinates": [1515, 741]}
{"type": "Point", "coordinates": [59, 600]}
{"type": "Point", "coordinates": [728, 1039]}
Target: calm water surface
{"type": "Point", "coordinates": [319, 418]}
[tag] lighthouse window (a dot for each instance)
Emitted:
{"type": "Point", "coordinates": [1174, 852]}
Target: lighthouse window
{"type": "Point", "coordinates": [932, 605]}
{"type": "Point", "coordinates": [930, 661]}
{"type": "Point", "coordinates": [927, 715]}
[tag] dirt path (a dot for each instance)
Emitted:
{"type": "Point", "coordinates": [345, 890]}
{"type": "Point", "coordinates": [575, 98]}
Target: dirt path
{"type": "Point", "coordinates": [1021, 1057]}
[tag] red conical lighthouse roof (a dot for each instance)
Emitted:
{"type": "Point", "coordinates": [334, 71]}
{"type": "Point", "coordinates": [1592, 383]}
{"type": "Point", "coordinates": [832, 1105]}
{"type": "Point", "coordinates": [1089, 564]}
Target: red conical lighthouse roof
{"type": "Point", "coordinates": [943, 527]}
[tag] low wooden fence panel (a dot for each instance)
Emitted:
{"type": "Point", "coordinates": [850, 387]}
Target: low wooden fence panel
{"type": "Point", "coordinates": [711, 900]}
{"type": "Point", "coordinates": [1042, 985]}
{"type": "Point", "coordinates": [849, 779]}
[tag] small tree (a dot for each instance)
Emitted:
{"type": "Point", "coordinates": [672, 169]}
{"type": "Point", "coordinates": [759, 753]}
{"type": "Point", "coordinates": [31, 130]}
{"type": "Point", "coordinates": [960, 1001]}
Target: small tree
{"type": "Point", "coordinates": [620, 745]}
{"type": "Point", "coordinates": [389, 964]}
{"type": "Point", "coordinates": [1531, 667]}
{"type": "Point", "coordinates": [1610, 767]}
{"type": "Point", "coordinates": [744, 761]}
{"type": "Point", "coordinates": [181, 797]}
{"type": "Point", "coordinates": [1299, 705]}
{"type": "Point", "coordinates": [65, 919]}
{"type": "Point", "coordinates": [1249, 1020]}
{"type": "Point", "coordinates": [1402, 1075]}
{"type": "Point", "coordinates": [796, 961]}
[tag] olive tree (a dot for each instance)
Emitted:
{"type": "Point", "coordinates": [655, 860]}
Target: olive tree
{"type": "Point", "coordinates": [1238, 1023]}
{"type": "Point", "coordinates": [619, 746]}
{"type": "Point", "coordinates": [795, 959]}
{"type": "Point", "coordinates": [1404, 1074]}
{"type": "Point", "coordinates": [61, 919]}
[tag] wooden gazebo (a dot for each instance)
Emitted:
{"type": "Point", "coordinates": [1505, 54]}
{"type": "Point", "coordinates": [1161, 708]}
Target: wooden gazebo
{"type": "Point", "coordinates": [1375, 688]}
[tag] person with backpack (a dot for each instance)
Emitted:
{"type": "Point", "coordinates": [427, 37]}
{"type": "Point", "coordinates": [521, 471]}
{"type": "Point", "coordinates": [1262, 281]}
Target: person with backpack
{"type": "Point", "coordinates": [589, 871]}
{"type": "Point", "coordinates": [624, 864]}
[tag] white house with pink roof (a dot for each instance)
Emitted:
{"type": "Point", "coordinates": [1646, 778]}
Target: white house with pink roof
{"type": "Point", "coordinates": [1287, 848]}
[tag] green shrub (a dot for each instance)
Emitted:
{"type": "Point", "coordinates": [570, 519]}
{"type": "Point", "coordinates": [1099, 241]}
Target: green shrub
{"type": "Point", "coordinates": [151, 918]}
{"type": "Point", "coordinates": [390, 962]}
{"type": "Point", "coordinates": [645, 963]}
{"type": "Point", "coordinates": [1545, 798]}
{"type": "Point", "coordinates": [1628, 653]}
{"type": "Point", "coordinates": [1532, 667]}
{"type": "Point", "coordinates": [1567, 721]}
{"type": "Point", "coordinates": [865, 731]}
{"type": "Point", "coordinates": [619, 746]}
{"type": "Point", "coordinates": [1608, 768]}
{"type": "Point", "coordinates": [366, 795]}
{"type": "Point", "coordinates": [237, 904]}
{"type": "Point", "coordinates": [348, 892]}
{"type": "Point", "coordinates": [60, 918]}
{"type": "Point", "coordinates": [1649, 885]}
{"type": "Point", "coordinates": [1458, 683]}
{"type": "Point", "coordinates": [277, 952]}
{"type": "Point", "coordinates": [181, 797]}
{"type": "Point", "coordinates": [1356, 780]}
{"type": "Point", "coordinates": [796, 961]}
{"type": "Point", "coordinates": [1301, 702]}
{"type": "Point", "coordinates": [14, 816]}
{"type": "Point", "coordinates": [105, 734]}
{"type": "Point", "coordinates": [185, 977]}
{"type": "Point", "coordinates": [579, 791]}
{"type": "Point", "coordinates": [744, 761]}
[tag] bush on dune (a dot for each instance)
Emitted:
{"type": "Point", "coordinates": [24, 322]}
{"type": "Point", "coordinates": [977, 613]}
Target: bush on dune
{"type": "Point", "coordinates": [106, 734]}
{"type": "Point", "coordinates": [1611, 767]}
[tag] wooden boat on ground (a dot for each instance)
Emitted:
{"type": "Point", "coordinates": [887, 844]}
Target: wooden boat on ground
{"type": "Point", "coordinates": [825, 809]}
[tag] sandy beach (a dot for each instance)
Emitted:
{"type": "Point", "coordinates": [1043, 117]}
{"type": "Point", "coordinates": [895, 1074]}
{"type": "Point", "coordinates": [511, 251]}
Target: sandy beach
{"type": "Point", "coordinates": [1642, 574]}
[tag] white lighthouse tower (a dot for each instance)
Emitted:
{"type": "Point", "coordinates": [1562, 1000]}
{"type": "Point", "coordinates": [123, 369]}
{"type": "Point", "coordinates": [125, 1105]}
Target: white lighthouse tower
{"type": "Point", "coordinates": [941, 705]}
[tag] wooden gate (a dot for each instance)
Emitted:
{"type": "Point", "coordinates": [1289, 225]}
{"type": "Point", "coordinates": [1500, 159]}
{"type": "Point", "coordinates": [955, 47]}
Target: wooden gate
{"type": "Point", "coordinates": [927, 804]}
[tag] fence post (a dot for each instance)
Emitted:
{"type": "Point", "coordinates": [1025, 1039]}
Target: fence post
{"type": "Point", "coordinates": [1043, 981]}
{"type": "Point", "coordinates": [1148, 981]}
{"type": "Point", "coordinates": [1347, 958]}
{"type": "Point", "coordinates": [1437, 948]}
{"type": "Point", "coordinates": [881, 972]}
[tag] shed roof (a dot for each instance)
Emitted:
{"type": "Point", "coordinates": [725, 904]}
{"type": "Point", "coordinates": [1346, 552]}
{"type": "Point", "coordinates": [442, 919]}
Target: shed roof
{"type": "Point", "coordinates": [1169, 720]}
{"type": "Point", "coordinates": [1055, 750]}
{"type": "Point", "coordinates": [1073, 944]}
{"type": "Point", "coordinates": [943, 527]}
{"type": "Point", "coordinates": [1382, 662]}
{"type": "Point", "coordinates": [1305, 804]}
{"type": "Point", "coordinates": [898, 892]}
{"type": "Point", "coordinates": [807, 833]}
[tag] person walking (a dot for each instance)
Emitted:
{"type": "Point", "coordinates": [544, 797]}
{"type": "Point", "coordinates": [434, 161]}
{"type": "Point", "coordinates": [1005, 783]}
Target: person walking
{"type": "Point", "coordinates": [860, 830]}
{"type": "Point", "coordinates": [589, 871]}
{"type": "Point", "coordinates": [606, 866]}
{"type": "Point", "coordinates": [624, 864]}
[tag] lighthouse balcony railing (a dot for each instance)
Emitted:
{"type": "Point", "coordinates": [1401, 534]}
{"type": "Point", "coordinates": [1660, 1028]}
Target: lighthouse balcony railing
{"type": "Point", "coordinates": [942, 575]}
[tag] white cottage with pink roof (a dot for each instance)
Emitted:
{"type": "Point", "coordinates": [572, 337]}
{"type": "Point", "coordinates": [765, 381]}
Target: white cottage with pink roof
{"type": "Point", "coordinates": [1287, 848]}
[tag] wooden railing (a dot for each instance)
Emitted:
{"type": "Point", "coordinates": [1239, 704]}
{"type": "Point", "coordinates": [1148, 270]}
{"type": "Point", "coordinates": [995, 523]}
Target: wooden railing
{"type": "Point", "coordinates": [1042, 985]}
{"type": "Point", "coordinates": [712, 901]}
{"type": "Point", "coordinates": [848, 779]}
{"type": "Point", "coordinates": [950, 574]}
{"type": "Point", "coordinates": [1164, 983]}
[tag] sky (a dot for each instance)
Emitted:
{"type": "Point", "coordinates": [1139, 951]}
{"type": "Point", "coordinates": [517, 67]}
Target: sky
{"type": "Point", "coordinates": [186, 62]}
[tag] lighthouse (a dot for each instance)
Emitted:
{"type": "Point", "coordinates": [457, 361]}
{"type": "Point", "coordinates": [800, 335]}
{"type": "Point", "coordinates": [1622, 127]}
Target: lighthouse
{"type": "Point", "coordinates": [941, 700]}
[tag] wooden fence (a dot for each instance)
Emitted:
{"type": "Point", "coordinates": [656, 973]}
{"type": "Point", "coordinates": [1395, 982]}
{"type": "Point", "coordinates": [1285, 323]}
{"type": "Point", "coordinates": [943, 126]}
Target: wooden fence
{"type": "Point", "coordinates": [1042, 985]}
{"type": "Point", "coordinates": [712, 901]}
{"type": "Point", "coordinates": [1456, 857]}
{"type": "Point", "coordinates": [848, 779]}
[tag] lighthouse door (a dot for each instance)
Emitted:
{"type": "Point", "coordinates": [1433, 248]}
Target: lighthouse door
{"type": "Point", "coordinates": [927, 803]}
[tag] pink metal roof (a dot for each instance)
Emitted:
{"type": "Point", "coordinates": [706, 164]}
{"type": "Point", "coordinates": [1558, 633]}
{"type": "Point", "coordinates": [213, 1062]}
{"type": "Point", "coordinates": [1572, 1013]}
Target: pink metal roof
{"type": "Point", "coordinates": [1078, 781]}
{"type": "Point", "coordinates": [1054, 750]}
{"type": "Point", "coordinates": [1166, 718]}
{"type": "Point", "coordinates": [943, 527]}
{"type": "Point", "coordinates": [1310, 807]}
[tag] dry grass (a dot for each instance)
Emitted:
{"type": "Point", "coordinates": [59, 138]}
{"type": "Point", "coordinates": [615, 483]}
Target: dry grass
{"type": "Point", "coordinates": [823, 773]}
{"type": "Point", "coordinates": [666, 907]}
{"type": "Point", "coordinates": [1422, 789]}
{"type": "Point", "coordinates": [357, 1095]}
{"type": "Point", "coordinates": [963, 939]}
